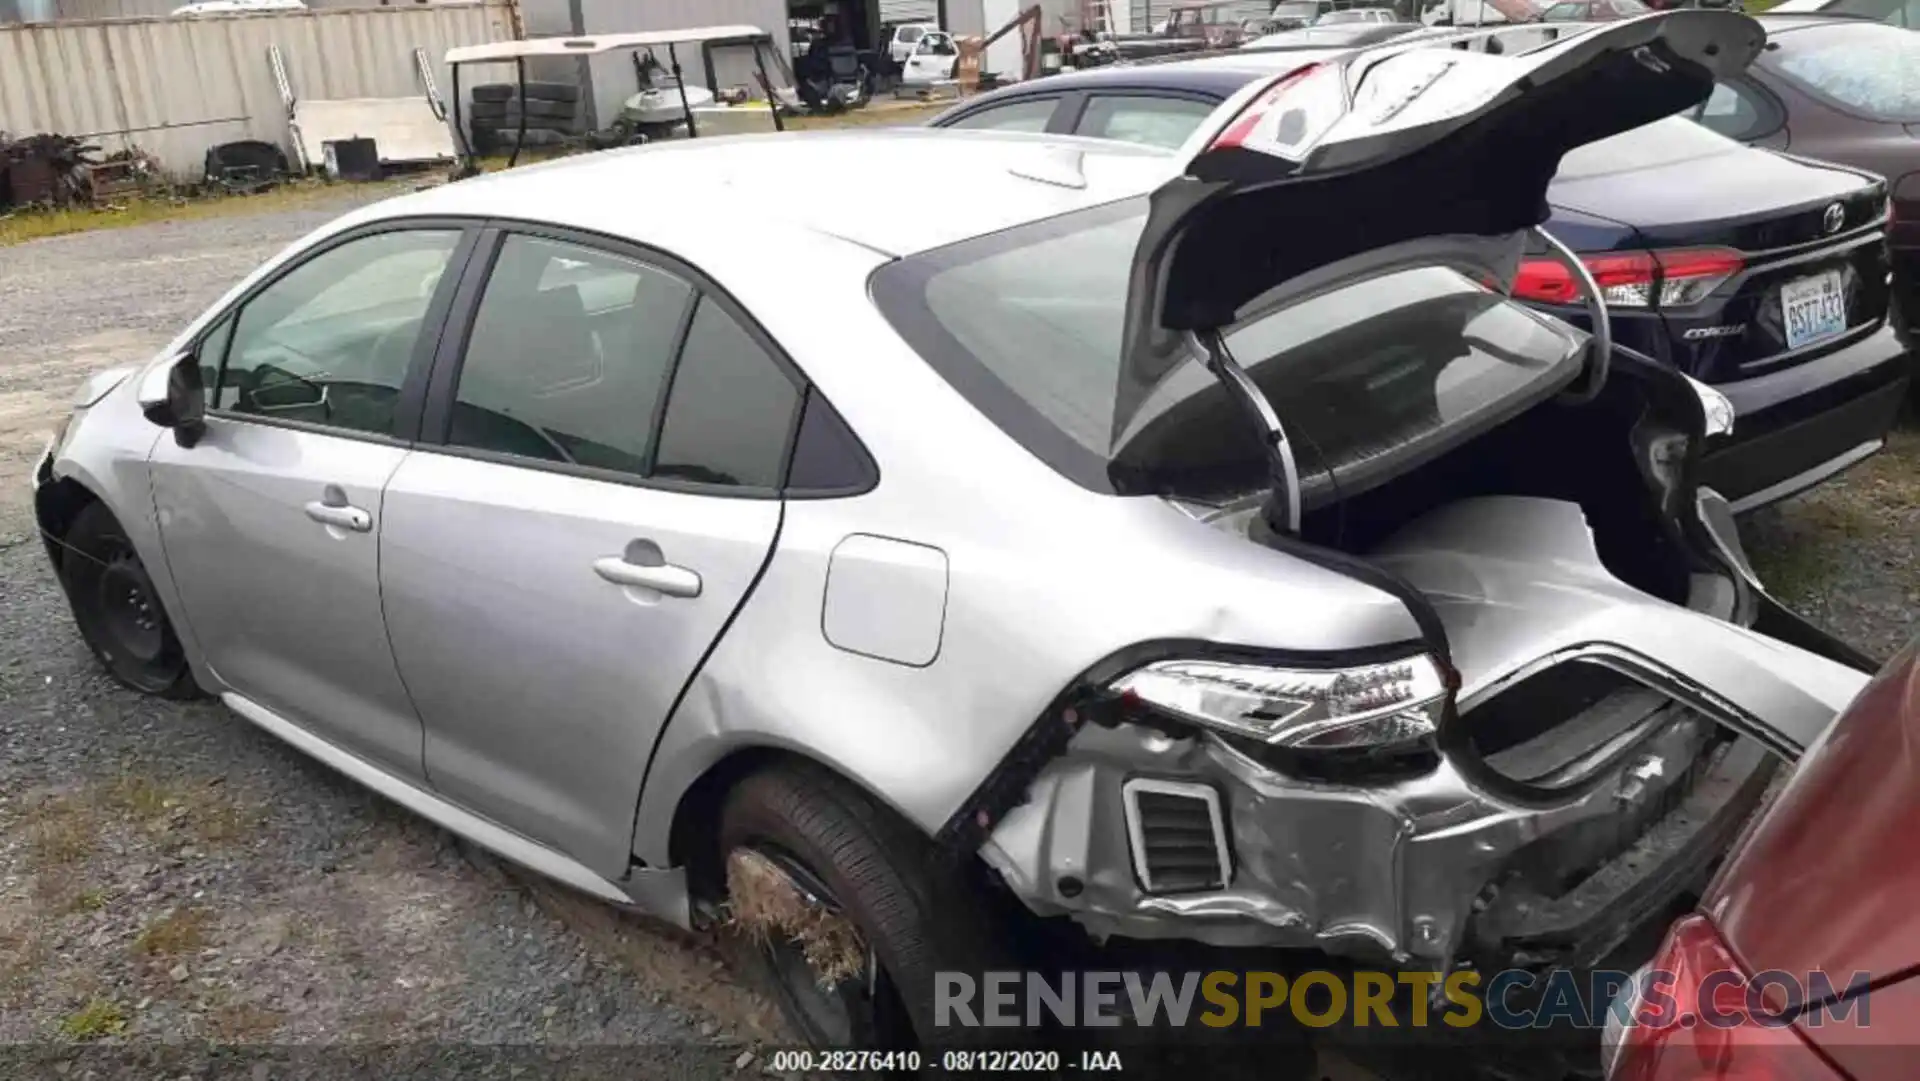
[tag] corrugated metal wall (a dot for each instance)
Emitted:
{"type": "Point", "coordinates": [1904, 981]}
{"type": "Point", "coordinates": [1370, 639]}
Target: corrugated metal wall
{"type": "Point", "coordinates": [87, 10]}
{"type": "Point", "coordinates": [177, 86]}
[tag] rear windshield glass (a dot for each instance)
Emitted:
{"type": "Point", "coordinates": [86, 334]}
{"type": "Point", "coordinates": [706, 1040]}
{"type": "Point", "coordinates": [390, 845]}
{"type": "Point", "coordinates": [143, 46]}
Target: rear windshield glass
{"type": "Point", "coordinates": [1866, 68]}
{"type": "Point", "coordinates": [1027, 324]}
{"type": "Point", "coordinates": [1663, 142]}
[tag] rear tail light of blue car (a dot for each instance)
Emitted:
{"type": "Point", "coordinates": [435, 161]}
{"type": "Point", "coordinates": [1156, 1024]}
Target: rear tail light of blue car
{"type": "Point", "coordinates": [1674, 278]}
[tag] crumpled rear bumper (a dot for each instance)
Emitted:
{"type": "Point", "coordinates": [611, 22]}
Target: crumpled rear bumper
{"type": "Point", "coordinates": [1461, 861]}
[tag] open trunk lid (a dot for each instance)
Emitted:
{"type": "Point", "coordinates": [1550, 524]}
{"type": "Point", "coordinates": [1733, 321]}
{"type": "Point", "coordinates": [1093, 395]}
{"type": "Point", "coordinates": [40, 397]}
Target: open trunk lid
{"type": "Point", "coordinates": [1389, 146]}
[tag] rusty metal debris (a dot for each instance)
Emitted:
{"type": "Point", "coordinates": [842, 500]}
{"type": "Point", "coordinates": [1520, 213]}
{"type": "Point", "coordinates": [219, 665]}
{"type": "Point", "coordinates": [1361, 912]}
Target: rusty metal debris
{"type": "Point", "coordinates": [63, 171]}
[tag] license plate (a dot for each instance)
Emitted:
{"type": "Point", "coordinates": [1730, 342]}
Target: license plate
{"type": "Point", "coordinates": [1814, 308]}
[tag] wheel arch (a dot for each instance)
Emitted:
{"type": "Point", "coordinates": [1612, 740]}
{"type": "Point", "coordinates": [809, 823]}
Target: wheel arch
{"type": "Point", "coordinates": [696, 810]}
{"type": "Point", "coordinates": [57, 501]}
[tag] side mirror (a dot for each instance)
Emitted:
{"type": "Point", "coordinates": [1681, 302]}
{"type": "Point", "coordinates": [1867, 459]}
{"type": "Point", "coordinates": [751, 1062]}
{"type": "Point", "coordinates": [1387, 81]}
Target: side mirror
{"type": "Point", "coordinates": [173, 396]}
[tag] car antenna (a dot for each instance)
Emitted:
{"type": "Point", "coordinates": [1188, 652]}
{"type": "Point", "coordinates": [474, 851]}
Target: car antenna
{"type": "Point", "coordinates": [1282, 508]}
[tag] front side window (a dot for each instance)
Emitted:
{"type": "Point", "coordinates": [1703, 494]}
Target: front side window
{"type": "Point", "coordinates": [1027, 324]}
{"type": "Point", "coordinates": [569, 355]}
{"type": "Point", "coordinates": [330, 342]}
{"type": "Point", "coordinates": [1867, 68]}
{"type": "Point", "coordinates": [1145, 120]}
{"type": "Point", "coordinates": [1031, 114]}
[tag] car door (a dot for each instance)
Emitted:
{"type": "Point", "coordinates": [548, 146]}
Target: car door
{"type": "Point", "coordinates": [596, 490]}
{"type": "Point", "coordinates": [932, 59]}
{"type": "Point", "coordinates": [270, 521]}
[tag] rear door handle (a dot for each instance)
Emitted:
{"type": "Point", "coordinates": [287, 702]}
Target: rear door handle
{"type": "Point", "coordinates": [664, 578]}
{"type": "Point", "coordinates": [340, 516]}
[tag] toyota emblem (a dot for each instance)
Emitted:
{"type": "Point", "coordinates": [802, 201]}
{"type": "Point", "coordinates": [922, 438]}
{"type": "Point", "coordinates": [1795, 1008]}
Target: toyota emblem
{"type": "Point", "coordinates": [1834, 218]}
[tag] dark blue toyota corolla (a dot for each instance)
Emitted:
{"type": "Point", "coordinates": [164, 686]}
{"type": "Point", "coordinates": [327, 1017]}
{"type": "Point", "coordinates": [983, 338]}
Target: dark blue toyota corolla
{"type": "Point", "coordinates": [1762, 275]}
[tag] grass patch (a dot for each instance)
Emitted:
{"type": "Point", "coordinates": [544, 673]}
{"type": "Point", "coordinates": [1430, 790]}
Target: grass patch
{"type": "Point", "coordinates": [178, 932]}
{"type": "Point", "coordinates": [242, 1023]}
{"type": "Point", "coordinates": [24, 225]}
{"type": "Point", "coordinates": [1799, 548]}
{"type": "Point", "coordinates": [61, 833]}
{"type": "Point", "coordinates": [88, 900]}
{"type": "Point", "coordinates": [99, 1017]}
{"type": "Point", "coordinates": [201, 812]}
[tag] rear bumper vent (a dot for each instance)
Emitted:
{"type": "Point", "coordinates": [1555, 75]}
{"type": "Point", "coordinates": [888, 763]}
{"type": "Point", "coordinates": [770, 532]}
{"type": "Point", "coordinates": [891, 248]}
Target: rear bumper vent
{"type": "Point", "coordinates": [1178, 835]}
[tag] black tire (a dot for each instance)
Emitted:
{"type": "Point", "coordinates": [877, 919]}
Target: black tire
{"type": "Point", "coordinates": [918, 912]}
{"type": "Point", "coordinates": [119, 610]}
{"type": "Point", "coordinates": [511, 110]}
{"type": "Point", "coordinates": [536, 91]}
{"type": "Point", "coordinates": [490, 140]}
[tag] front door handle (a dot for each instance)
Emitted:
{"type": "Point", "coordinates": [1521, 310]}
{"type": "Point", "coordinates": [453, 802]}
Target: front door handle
{"type": "Point", "coordinates": [666, 578]}
{"type": "Point", "coordinates": [340, 516]}
{"type": "Point", "coordinates": [643, 566]}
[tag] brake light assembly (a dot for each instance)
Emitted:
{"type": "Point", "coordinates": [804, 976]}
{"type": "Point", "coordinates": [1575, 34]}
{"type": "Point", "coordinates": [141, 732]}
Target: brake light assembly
{"type": "Point", "coordinates": [1675, 278]}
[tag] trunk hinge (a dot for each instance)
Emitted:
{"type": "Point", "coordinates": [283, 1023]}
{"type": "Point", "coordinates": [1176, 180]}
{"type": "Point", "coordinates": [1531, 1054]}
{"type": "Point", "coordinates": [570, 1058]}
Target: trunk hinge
{"type": "Point", "coordinates": [1282, 509]}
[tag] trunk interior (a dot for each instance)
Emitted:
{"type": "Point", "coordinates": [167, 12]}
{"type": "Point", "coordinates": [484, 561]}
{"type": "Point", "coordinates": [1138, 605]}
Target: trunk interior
{"type": "Point", "coordinates": [1575, 453]}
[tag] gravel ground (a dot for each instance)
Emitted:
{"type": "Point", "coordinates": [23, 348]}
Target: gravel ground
{"type": "Point", "coordinates": [170, 875]}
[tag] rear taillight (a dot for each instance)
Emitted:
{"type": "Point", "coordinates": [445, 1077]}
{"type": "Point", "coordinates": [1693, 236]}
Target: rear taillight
{"type": "Point", "coordinates": [1696, 1017]}
{"type": "Point", "coordinates": [1633, 279]}
{"type": "Point", "coordinates": [1290, 116]}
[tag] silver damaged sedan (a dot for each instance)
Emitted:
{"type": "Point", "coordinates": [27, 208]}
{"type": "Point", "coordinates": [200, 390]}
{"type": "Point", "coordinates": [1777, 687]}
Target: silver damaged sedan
{"type": "Point", "coordinates": [1128, 546]}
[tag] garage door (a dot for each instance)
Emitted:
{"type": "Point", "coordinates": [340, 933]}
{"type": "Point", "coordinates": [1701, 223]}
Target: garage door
{"type": "Point", "coordinates": [909, 11]}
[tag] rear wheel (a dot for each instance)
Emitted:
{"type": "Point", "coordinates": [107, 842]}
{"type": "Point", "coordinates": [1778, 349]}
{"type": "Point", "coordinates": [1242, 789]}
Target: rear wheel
{"type": "Point", "coordinates": [847, 913]}
{"type": "Point", "coordinates": [118, 609]}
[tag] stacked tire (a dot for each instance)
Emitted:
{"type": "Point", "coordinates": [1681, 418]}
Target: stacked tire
{"type": "Point", "coordinates": [552, 112]}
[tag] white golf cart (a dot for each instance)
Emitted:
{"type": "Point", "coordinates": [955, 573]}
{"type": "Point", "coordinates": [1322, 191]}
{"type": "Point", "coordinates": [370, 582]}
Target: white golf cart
{"type": "Point", "coordinates": [668, 105]}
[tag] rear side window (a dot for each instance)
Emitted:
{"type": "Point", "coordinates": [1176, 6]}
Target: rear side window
{"type": "Point", "coordinates": [1141, 119]}
{"type": "Point", "coordinates": [731, 413]}
{"type": "Point", "coordinates": [1031, 114]}
{"type": "Point", "coordinates": [1869, 69]}
{"type": "Point", "coordinates": [568, 356]}
{"type": "Point", "coordinates": [586, 358]}
{"type": "Point", "coordinates": [1737, 112]}
{"type": "Point", "coordinates": [910, 34]}
{"type": "Point", "coordinates": [1027, 325]}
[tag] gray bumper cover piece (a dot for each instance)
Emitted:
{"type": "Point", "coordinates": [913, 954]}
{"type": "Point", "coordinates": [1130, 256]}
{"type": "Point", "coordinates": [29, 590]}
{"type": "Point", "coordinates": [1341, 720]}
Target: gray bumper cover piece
{"type": "Point", "coordinates": [1395, 870]}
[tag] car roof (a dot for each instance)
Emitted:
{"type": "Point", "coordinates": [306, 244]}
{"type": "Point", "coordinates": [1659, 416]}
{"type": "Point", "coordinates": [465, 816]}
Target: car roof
{"type": "Point", "coordinates": [963, 184]}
